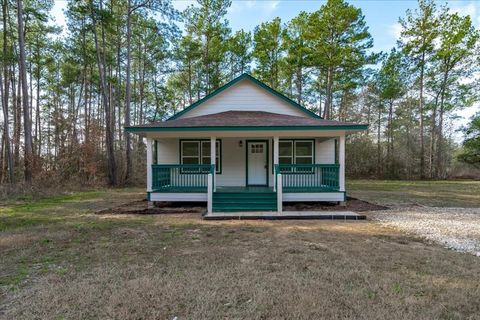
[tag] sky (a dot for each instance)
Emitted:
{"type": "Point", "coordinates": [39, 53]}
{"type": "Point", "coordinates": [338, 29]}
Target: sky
{"type": "Point", "coordinates": [381, 17]}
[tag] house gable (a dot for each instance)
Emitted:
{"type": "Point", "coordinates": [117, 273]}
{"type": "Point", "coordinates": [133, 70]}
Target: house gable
{"type": "Point", "coordinates": [244, 93]}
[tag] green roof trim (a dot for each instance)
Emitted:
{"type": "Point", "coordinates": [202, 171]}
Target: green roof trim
{"type": "Point", "coordinates": [255, 81]}
{"type": "Point", "coordinates": [247, 128]}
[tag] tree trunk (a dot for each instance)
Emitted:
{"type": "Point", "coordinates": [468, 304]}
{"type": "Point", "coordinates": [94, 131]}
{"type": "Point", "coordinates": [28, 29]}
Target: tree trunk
{"type": "Point", "coordinates": [128, 141]}
{"type": "Point", "coordinates": [328, 94]}
{"type": "Point", "coordinates": [422, 139]}
{"type": "Point", "coordinates": [379, 148]}
{"type": "Point", "coordinates": [26, 112]}
{"type": "Point", "coordinates": [4, 92]}
{"type": "Point", "coordinates": [100, 57]}
{"type": "Point", "coordinates": [390, 138]}
{"type": "Point", "coordinates": [439, 168]}
{"type": "Point", "coordinates": [432, 138]}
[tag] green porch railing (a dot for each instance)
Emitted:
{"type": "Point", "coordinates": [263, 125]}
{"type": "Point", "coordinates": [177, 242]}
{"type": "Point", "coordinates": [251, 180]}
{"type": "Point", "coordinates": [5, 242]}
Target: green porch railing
{"type": "Point", "coordinates": [181, 177]}
{"type": "Point", "coordinates": [309, 177]}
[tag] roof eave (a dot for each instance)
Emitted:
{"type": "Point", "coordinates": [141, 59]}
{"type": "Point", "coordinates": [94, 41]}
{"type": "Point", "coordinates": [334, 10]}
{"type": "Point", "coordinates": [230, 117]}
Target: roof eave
{"type": "Point", "coordinates": [350, 128]}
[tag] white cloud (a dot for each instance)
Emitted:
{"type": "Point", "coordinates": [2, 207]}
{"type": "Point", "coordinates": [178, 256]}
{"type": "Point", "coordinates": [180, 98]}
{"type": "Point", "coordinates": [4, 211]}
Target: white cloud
{"type": "Point", "coordinates": [395, 30]}
{"type": "Point", "coordinates": [263, 8]}
{"type": "Point", "coordinates": [250, 3]}
{"type": "Point", "coordinates": [471, 9]}
{"type": "Point", "coordinates": [181, 5]}
{"type": "Point", "coordinates": [272, 5]}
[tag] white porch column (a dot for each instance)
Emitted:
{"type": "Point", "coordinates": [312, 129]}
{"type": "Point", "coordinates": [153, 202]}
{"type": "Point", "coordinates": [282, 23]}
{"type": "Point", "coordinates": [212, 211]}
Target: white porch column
{"type": "Point", "coordinates": [149, 163]}
{"type": "Point", "coordinates": [157, 153]}
{"type": "Point", "coordinates": [209, 193]}
{"type": "Point", "coordinates": [275, 158]}
{"type": "Point", "coordinates": [341, 162]}
{"type": "Point", "coordinates": [279, 194]}
{"type": "Point", "coordinates": [213, 153]}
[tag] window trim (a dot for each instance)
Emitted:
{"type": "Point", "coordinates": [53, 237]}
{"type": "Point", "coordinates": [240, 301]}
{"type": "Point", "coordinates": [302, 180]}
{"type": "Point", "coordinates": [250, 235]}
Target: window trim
{"type": "Point", "coordinates": [294, 152]}
{"type": "Point", "coordinates": [218, 169]}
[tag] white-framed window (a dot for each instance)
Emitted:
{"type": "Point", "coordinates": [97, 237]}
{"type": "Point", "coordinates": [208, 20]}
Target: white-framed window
{"type": "Point", "coordinates": [303, 151]}
{"type": "Point", "coordinates": [296, 152]}
{"type": "Point", "coordinates": [285, 152]}
{"type": "Point", "coordinates": [198, 152]}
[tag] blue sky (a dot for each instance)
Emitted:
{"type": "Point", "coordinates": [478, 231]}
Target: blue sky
{"type": "Point", "coordinates": [381, 16]}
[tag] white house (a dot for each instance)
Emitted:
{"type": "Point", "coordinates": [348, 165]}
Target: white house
{"type": "Point", "coordinates": [246, 147]}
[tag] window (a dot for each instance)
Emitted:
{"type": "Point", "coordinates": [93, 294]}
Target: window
{"type": "Point", "coordinates": [285, 152]}
{"type": "Point", "coordinates": [296, 152]}
{"type": "Point", "coordinates": [256, 148]}
{"type": "Point", "coordinates": [198, 152]}
{"type": "Point", "coordinates": [303, 152]}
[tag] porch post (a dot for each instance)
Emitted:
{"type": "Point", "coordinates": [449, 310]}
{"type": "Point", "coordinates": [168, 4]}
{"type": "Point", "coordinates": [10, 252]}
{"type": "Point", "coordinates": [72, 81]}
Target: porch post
{"type": "Point", "coordinates": [275, 158]}
{"type": "Point", "coordinates": [213, 156]}
{"type": "Point", "coordinates": [149, 164]}
{"type": "Point", "coordinates": [279, 194]}
{"type": "Point", "coordinates": [341, 162]}
{"type": "Point", "coordinates": [149, 169]}
{"type": "Point", "coordinates": [209, 193]}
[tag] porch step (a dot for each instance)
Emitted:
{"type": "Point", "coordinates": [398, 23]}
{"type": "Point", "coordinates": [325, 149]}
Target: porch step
{"type": "Point", "coordinates": [244, 201]}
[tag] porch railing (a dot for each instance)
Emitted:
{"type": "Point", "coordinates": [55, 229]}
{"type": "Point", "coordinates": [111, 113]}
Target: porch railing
{"type": "Point", "coordinates": [309, 177]}
{"type": "Point", "coordinates": [181, 177]}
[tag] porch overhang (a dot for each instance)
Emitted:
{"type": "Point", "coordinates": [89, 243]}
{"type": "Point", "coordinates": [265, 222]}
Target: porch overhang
{"type": "Point", "coordinates": [245, 121]}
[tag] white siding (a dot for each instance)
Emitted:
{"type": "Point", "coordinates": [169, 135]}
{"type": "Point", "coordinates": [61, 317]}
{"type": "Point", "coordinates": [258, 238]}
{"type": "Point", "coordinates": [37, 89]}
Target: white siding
{"type": "Point", "coordinates": [244, 96]}
{"type": "Point", "coordinates": [233, 163]}
{"type": "Point", "coordinates": [325, 152]}
{"type": "Point", "coordinates": [164, 196]}
{"type": "Point", "coordinates": [168, 152]}
{"type": "Point", "coordinates": [233, 157]}
{"type": "Point", "coordinates": [314, 196]}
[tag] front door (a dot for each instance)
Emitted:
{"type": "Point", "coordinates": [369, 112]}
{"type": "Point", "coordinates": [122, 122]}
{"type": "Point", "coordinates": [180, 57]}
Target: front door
{"type": "Point", "coordinates": [257, 163]}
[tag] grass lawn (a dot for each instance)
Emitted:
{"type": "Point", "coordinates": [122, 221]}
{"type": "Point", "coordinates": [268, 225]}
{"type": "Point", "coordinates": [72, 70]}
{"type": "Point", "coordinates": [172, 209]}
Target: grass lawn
{"type": "Point", "coordinates": [58, 260]}
{"type": "Point", "coordinates": [459, 193]}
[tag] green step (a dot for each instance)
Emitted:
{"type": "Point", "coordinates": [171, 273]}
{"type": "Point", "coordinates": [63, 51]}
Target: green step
{"type": "Point", "coordinates": [242, 209]}
{"type": "Point", "coordinates": [241, 201]}
{"type": "Point", "coordinates": [245, 208]}
{"type": "Point", "coordinates": [244, 195]}
{"type": "Point", "coordinates": [244, 201]}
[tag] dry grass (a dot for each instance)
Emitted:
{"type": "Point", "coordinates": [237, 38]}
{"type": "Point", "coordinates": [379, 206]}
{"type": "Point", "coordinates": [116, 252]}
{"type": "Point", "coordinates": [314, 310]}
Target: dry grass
{"type": "Point", "coordinates": [84, 266]}
{"type": "Point", "coordinates": [453, 193]}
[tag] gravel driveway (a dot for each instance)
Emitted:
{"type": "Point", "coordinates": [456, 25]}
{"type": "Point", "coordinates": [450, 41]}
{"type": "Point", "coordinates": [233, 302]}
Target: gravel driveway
{"type": "Point", "coordinates": [454, 228]}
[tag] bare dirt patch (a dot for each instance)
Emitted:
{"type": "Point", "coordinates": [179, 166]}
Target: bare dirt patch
{"type": "Point", "coordinates": [141, 207]}
{"type": "Point", "coordinates": [352, 204]}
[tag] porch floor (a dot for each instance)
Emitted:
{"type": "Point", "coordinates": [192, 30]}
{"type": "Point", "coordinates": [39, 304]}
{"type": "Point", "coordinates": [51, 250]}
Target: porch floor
{"type": "Point", "coordinates": [286, 215]}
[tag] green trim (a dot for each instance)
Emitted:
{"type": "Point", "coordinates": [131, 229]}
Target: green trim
{"type": "Point", "coordinates": [293, 147]}
{"type": "Point", "coordinates": [246, 163]}
{"type": "Point", "coordinates": [236, 80]}
{"type": "Point", "coordinates": [148, 196]}
{"type": "Point", "coordinates": [200, 140]}
{"type": "Point", "coordinates": [248, 128]}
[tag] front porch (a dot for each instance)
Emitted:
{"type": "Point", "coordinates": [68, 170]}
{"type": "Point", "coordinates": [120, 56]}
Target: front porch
{"type": "Point", "coordinates": [246, 175]}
